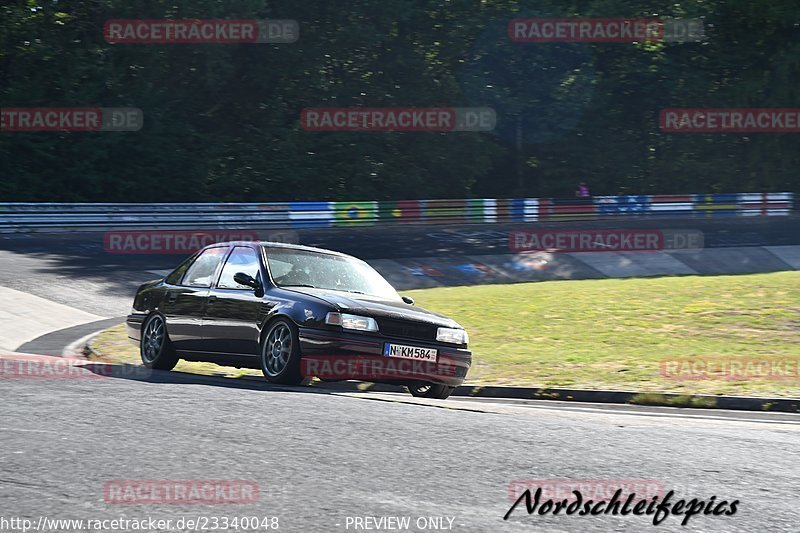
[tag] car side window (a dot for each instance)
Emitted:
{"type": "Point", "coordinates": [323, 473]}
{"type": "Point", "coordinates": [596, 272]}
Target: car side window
{"type": "Point", "coordinates": [202, 271]}
{"type": "Point", "coordinates": [175, 277]}
{"type": "Point", "coordinates": [242, 259]}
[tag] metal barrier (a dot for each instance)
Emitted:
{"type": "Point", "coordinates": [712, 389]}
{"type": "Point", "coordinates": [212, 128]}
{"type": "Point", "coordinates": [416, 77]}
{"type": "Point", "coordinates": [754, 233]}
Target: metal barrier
{"type": "Point", "coordinates": [32, 217]}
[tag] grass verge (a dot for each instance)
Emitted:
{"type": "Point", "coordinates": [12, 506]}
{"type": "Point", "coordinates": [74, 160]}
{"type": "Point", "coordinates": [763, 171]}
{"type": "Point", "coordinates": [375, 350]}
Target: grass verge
{"type": "Point", "coordinates": [613, 333]}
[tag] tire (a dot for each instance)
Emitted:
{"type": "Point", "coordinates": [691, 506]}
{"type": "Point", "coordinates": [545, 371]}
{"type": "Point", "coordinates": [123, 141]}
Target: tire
{"type": "Point", "coordinates": [155, 347]}
{"type": "Point", "coordinates": [427, 390]}
{"type": "Point", "coordinates": [279, 355]}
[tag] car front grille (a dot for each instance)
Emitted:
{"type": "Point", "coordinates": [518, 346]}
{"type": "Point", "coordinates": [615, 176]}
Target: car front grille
{"type": "Point", "coordinates": [407, 330]}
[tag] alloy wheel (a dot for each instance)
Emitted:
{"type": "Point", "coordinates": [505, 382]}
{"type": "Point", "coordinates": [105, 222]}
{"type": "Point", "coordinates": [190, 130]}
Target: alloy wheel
{"type": "Point", "coordinates": [277, 350]}
{"type": "Point", "coordinates": [153, 339]}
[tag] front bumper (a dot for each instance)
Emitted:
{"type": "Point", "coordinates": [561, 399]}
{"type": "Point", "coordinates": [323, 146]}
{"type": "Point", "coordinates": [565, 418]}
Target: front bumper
{"type": "Point", "coordinates": [334, 355]}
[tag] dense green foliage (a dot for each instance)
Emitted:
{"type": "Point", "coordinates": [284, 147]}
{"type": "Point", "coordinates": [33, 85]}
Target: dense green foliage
{"type": "Point", "coordinates": [222, 120]}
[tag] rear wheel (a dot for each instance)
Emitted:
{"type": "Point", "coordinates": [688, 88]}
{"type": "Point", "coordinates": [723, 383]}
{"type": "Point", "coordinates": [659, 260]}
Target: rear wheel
{"type": "Point", "coordinates": [155, 347]}
{"type": "Point", "coordinates": [428, 390]}
{"type": "Point", "coordinates": [280, 354]}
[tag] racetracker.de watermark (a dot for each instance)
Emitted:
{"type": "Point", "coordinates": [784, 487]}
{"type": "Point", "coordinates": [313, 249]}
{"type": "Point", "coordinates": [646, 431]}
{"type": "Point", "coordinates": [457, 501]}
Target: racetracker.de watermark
{"type": "Point", "coordinates": [731, 368]}
{"type": "Point", "coordinates": [566, 241]}
{"type": "Point", "coordinates": [385, 119]}
{"type": "Point", "coordinates": [179, 491]}
{"type": "Point", "coordinates": [605, 30]}
{"type": "Point", "coordinates": [220, 31]}
{"type": "Point", "coordinates": [730, 120]}
{"type": "Point", "coordinates": [352, 367]}
{"type": "Point", "coordinates": [18, 366]}
{"type": "Point", "coordinates": [34, 119]}
{"type": "Point", "coordinates": [169, 241]}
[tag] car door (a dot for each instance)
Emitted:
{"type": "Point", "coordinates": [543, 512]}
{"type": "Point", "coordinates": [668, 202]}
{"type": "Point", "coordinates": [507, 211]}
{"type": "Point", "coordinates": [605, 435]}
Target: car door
{"type": "Point", "coordinates": [185, 303]}
{"type": "Point", "coordinates": [234, 312]}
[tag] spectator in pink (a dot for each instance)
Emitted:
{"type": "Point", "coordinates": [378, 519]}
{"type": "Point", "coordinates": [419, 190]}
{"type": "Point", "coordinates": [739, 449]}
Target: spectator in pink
{"type": "Point", "coordinates": [582, 191]}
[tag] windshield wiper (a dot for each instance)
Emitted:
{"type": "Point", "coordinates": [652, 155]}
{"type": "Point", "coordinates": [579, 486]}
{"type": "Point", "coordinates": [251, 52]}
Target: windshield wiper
{"type": "Point", "coordinates": [323, 288]}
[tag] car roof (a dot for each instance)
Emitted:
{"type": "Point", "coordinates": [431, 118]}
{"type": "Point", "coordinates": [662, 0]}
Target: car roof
{"type": "Point", "coordinates": [270, 244]}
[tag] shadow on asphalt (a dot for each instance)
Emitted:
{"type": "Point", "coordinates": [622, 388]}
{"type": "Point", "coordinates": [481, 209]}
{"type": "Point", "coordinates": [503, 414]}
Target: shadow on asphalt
{"type": "Point", "coordinates": [146, 375]}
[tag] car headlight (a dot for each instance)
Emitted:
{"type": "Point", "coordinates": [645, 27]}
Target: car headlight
{"type": "Point", "coordinates": [359, 323]}
{"type": "Point", "coordinates": [454, 336]}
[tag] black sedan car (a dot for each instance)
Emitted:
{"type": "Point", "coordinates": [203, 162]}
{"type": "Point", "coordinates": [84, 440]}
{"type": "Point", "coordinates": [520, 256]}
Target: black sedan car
{"type": "Point", "coordinates": [296, 312]}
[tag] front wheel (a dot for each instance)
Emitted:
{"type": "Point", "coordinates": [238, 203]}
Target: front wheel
{"type": "Point", "coordinates": [280, 354]}
{"type": "Point", "coordinates": [155, 348]}
{"type": "Point", "coordinates": [427, 390]}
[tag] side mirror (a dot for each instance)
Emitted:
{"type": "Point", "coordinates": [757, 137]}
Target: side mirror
{"type": "Point", "coordinates": [409, 300]}
{"type": "Point", "coordinates": [243, 279]}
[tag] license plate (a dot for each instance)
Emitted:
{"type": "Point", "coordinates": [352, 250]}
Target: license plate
{"type": "Point", "coordinates": [410, 352]}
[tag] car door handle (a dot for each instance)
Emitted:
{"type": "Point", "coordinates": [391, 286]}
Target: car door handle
{"type": "Point", "coordinates": [211, 299]}
{"type": "Point", "coordinates": [172, 298]}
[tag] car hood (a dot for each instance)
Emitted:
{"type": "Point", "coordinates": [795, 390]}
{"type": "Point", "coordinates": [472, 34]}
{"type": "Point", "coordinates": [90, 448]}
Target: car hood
{"type": "Point", "coordinates": [368, 305]}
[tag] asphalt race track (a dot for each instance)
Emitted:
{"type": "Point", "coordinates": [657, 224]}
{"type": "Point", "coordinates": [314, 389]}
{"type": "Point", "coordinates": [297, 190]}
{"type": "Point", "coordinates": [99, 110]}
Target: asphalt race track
{"type": "Point", "coordinates": [320, 459]}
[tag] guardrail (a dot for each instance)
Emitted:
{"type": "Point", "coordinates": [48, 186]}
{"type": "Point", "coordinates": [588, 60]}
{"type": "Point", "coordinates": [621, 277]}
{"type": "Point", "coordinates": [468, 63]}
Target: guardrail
{"type": "Point", "coordinates": [32, 217]}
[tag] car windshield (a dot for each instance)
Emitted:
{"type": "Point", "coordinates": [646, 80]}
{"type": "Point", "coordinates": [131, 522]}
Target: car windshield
{"type": "Point", "coordinates": [303, 268]}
